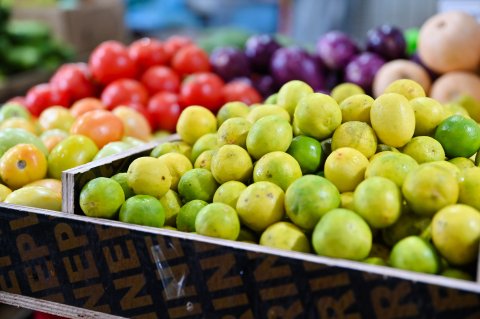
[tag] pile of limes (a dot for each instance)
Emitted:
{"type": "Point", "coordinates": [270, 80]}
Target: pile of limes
{"type": "Point", "coordinates": [390, 181]}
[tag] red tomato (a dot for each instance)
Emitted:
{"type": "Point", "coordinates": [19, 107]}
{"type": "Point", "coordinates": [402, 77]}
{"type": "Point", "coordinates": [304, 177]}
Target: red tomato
{"type": "Point", "coordinates": [190, 59]}
{"type": "Point", "coordinates": [147, 52]}
{"type": "Point", "coordinates": [44, 95]}
{"type": "Point", "coordinates": [203, 89]}
{"type": "Point", "coordinates": [124, 92]}
{"type": "Point", "coordinates": [161, 78]}
{"type": "Point", "coordinates": [110, 61]}
{"type": "Point", "coordinates": [241, 91]}
{"type": "Point", "coordinates": [140, 108]}
{"type": "Point", "coordinates": [175, 43]}
{"type": "Point", "coordinates": [74, 79]}
{"type": "Point", "coordinates": [165, 109]}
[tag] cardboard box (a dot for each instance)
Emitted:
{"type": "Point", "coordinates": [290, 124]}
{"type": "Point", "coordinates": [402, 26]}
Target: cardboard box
{"type": "Point", "coordinates": [77, 266]}
{"type": "Point", "coordinates": [84, 27]}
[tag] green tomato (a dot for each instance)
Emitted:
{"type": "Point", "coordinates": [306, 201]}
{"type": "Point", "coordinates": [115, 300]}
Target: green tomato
{"type": "Point", "coordinates": [73, 151]}
{"type": "Point", "coordinates": [12, 136]}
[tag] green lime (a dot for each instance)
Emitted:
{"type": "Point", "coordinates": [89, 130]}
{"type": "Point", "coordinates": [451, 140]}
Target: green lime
{"type": "Point", "coordinates": [308, 153]}
{"type": "Point", "coordinates": [197, 183]}
{"type": "Point", "coordinates": [121, 178]}
{"type": "Point", "coordinates": [101, 197]}
{"type": "Point", "coordinates": [341, 233]}
{"type": "Point", "coordinates": [171, 204]}
{"type": "Point", "coordinates": [228, 193]}
{"type": "Point", "coordinates": [230, 110]}
{"type": "Point", "coordinates": [143, 210]}
{"type": "Point", "coordinates": [188, 213]}
{"type": "Point", "coordinates": [309, 198]}
{"type": "Point", "coordinates": [218, 220]}
{"type": "Point", "coordinates": [459, 136]}
{"type": "Point", "coordinates": [415, 254]}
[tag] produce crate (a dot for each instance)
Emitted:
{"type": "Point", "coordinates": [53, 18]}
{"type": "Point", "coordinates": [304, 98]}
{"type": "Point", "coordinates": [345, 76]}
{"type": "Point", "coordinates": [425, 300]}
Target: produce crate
{"type": "Point", "coordinates": [97, 268]}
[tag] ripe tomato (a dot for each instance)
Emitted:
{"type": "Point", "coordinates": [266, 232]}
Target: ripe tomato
{"type": "Point", "coordinates": [100, 126]}
{"type": "Point", "coordinates": [43, 95]}
{"type": "Point", "coordinates": [161, 78]}
{"type": "Point", "coordinates": [110, 61]}
{"type": "Point", "coordinates": [22, 164]}
{"type": "Point", "coordinates": [74, 79]}
{"type": "Point", "coordinates": [147, 52]}
{"type": "Point", "coordinates": [175, 43]}
{"type": "Point", "coordinates": [165, 110]}
{"type": "Point", "coordinates": [203, 89]}
{"type": "Point", "coordinates": [190, 59]}
{"type": "Point", "coordinates": [241, 91]}
{"type": "Point", "coordinates": [86, 105]}
{"type": "Point", "coordinates": [123, 92]}
{"type": "Point", "coordinates": [134, 123]}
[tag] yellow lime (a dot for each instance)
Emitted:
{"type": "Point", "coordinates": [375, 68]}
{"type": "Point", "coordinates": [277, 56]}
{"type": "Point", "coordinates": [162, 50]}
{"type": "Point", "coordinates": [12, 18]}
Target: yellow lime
{"type": "Point", "coordinates": [424, 149]}
{"type": "Point", "coordinates": [204, 160]}
{"type": "Point", "coordinates": [269, 134]}
{"type": "Point", "coordinates": [171, 203]}
{"type": "Point", "coordinates": [218, 220]}
{"type": "Point", "coordinates": [265, 110]}
{"type": "Point", "coordinates": [456, 233]}
{"type": "Point", "coordinates": [172, 147]}
{"type": "Point", "coordinates": [230, 110]}
{"type": "Point", "coordinates": [345, 168]}
{"type": "Point", "coordinates": [285, 235]}
{"type": "Point", "coordinates": [261, 205]}
{"type": "Point", "coordinates": [406, 87]}
{"type": "Point", "coordinates": [428, 114]}
{"type": "Point", "coordinates": [470, 187]}
{"type": "Point", "coordinates": [318, 115]}
{"type": "Point", "coordinates": [356, 108]}
{"type": "Point", "coordinates": [149, 176]}
{"type": "Point", "coordinates": [346, 200]}
{"type": "Point", "coordinates": [234, 131]}
{"type": "Point", "coordinates": [345, 90]}
{"type": "Point", "coordinates": [177, 164]}
{"type": "Point", "coordinates": [290, 94]}
{"type": "Point", "coordinates": [357, 135]}
{"type": "Point", "coordinates": [392, 165]}
{"type": "Point", "coordinates": [204, 143]}
{"type": "Point", "coordinates": [429, 188]}
{"type": "Point", "coordinates": [462, 162]}
{"type": "Point", "coordinates": [277, 167]}
{"type": "Point", "coordinates": [231, 163]}
{"type": "Point", "coordinates": [194, 122]}
{"type": "Point", "coordinates": [228, 193]}
{"type": "Point", "coordinates": [101, 197]}
{"type": "Point", "coordinates": [393, 119]}
{"type": "Point", "coordinates": [379, 201]}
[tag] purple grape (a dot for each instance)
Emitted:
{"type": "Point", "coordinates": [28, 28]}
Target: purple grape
{"type": "Point", "coordinates": [362, 69]}
{"type": "Point", "coordinates": [336, 49]}
{"type": "Point", "coordinates": [264, 84]}
{"type": "Point", "coordinates": [229, 63]}
{"type": "Point", "coordinates": [387, 41]}
{"type": "Point", "coordinates": [259, 50]}
{"type": "Point", "coordinates": [294, 63]}
{"type": "Point", "coordinates": [333, 78]}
